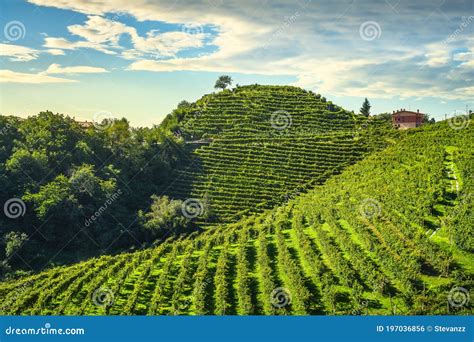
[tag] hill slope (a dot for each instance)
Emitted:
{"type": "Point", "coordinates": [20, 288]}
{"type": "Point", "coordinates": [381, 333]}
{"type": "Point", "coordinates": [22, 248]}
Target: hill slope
{"type": "Point", "coordinates": [383, 237]}
{"type": "Point", "coordinates": [247, 148]}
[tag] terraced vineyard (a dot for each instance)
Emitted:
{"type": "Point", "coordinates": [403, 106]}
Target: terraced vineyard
{"type": "Point", "coordinates": [257, 109]}
{"type": "Point", "coordinates": [264, 143]}
{"type": "Point", "coordinates": [382, 237]}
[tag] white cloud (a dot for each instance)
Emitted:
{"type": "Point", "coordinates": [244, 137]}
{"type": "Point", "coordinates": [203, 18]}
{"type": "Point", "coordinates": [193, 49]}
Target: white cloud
{"type": "Point", "coordinates": [64, 44]}
{"type": "Point", "coordinates": [18, 53]}
{"type": "Point", "coordinates": [168, 43]}
{"type": "Point", "coordinates": [318, 44]}
{"type": "Point", "coordinates": [99, 30]}
{"type": "Point", "coordinates": [56, 52]}
{"type": "Point", "coordinates": [437, 54]}
{"type": "Point", "coordinates": [466, 59]}
{"type": "Point", "coordinates": [9, 76]}
{"type": "Point", "coordinates": [104, 35]}
{"type": "Point", "coordinates": [58, 69]}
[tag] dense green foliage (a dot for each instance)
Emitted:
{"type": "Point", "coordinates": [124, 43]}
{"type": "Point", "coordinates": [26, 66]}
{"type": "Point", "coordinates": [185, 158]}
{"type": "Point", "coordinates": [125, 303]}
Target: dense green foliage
{"type": "Point", "coordinates": [82, 187]}
{"type": "Point", "coordinates": [365, 109]}
{"type": "Point", "coordinates": [223, 82]}
{"type": "Point", "coordinates": [390, 234]}
{"type": "Point", "coordinates": [88, 190]}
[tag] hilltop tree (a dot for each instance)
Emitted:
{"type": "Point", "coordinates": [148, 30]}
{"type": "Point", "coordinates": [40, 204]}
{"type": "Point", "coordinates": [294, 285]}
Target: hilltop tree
{"type": "Point", "coordinates": [184, 104]}
{"type": "Point", "coordinates": [365, 109]}
{"type": "Point", "coordinates": [428, 120]}
{"type": "Point", "coordinates": [223, 81]}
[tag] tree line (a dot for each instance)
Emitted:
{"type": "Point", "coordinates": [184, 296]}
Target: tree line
{"type": "Point", "coordinates": [81, 191]}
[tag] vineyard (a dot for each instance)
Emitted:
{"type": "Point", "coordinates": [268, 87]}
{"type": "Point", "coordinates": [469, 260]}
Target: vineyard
{"type": "Point", "coordinates": [264, 142]}
{"type": "Point", "coordinates": [390, 234]}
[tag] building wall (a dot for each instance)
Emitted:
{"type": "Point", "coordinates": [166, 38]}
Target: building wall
{"type": "Point", "coordinates": [404, 119]}
{"type": "Point", "coordinates": [406, 125]}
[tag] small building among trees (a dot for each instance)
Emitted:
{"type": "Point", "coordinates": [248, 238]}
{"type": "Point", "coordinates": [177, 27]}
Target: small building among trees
{"type": "Point", "coordinates": [404, 119]}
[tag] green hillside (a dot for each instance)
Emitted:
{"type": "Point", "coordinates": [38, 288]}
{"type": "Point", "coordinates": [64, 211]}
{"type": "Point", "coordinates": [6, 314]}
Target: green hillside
{"type": "Point", "coordinates": [246, 149]}
{"type": "Point", "coordinates": [391, 234]}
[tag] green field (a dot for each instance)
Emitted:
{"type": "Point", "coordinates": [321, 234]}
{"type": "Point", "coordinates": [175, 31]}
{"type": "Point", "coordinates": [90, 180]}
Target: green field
{"type": "Point", "coordinates": [339, 215]}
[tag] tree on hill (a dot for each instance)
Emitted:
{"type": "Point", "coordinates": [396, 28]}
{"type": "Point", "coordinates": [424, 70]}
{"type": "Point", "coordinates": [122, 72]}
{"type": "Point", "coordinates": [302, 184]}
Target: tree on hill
{"type": "Point", "coordinates": [165, 214]}
{"type": "Point", "coordinates": [365, 109]}
{"type": "Point", "coordinates": [184, 104]}
{"type": "Point", "coordinates": [428, 120]}
{"type": "Point", "coordinates": [223, 81]}
{"type": "Point", "coordinates": [383, 117]}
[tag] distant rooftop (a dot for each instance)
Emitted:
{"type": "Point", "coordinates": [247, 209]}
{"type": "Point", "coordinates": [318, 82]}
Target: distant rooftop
{"type": "Point", "coordinates": [406, 111]}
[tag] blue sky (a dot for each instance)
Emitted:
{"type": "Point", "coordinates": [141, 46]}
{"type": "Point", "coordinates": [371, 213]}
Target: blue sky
{"type": "Point", "coordinates": [138, 59]}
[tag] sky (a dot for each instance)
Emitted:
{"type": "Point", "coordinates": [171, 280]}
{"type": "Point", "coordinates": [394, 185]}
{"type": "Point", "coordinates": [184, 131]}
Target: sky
{"type": "Point", "coordinates": [138, 59]}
